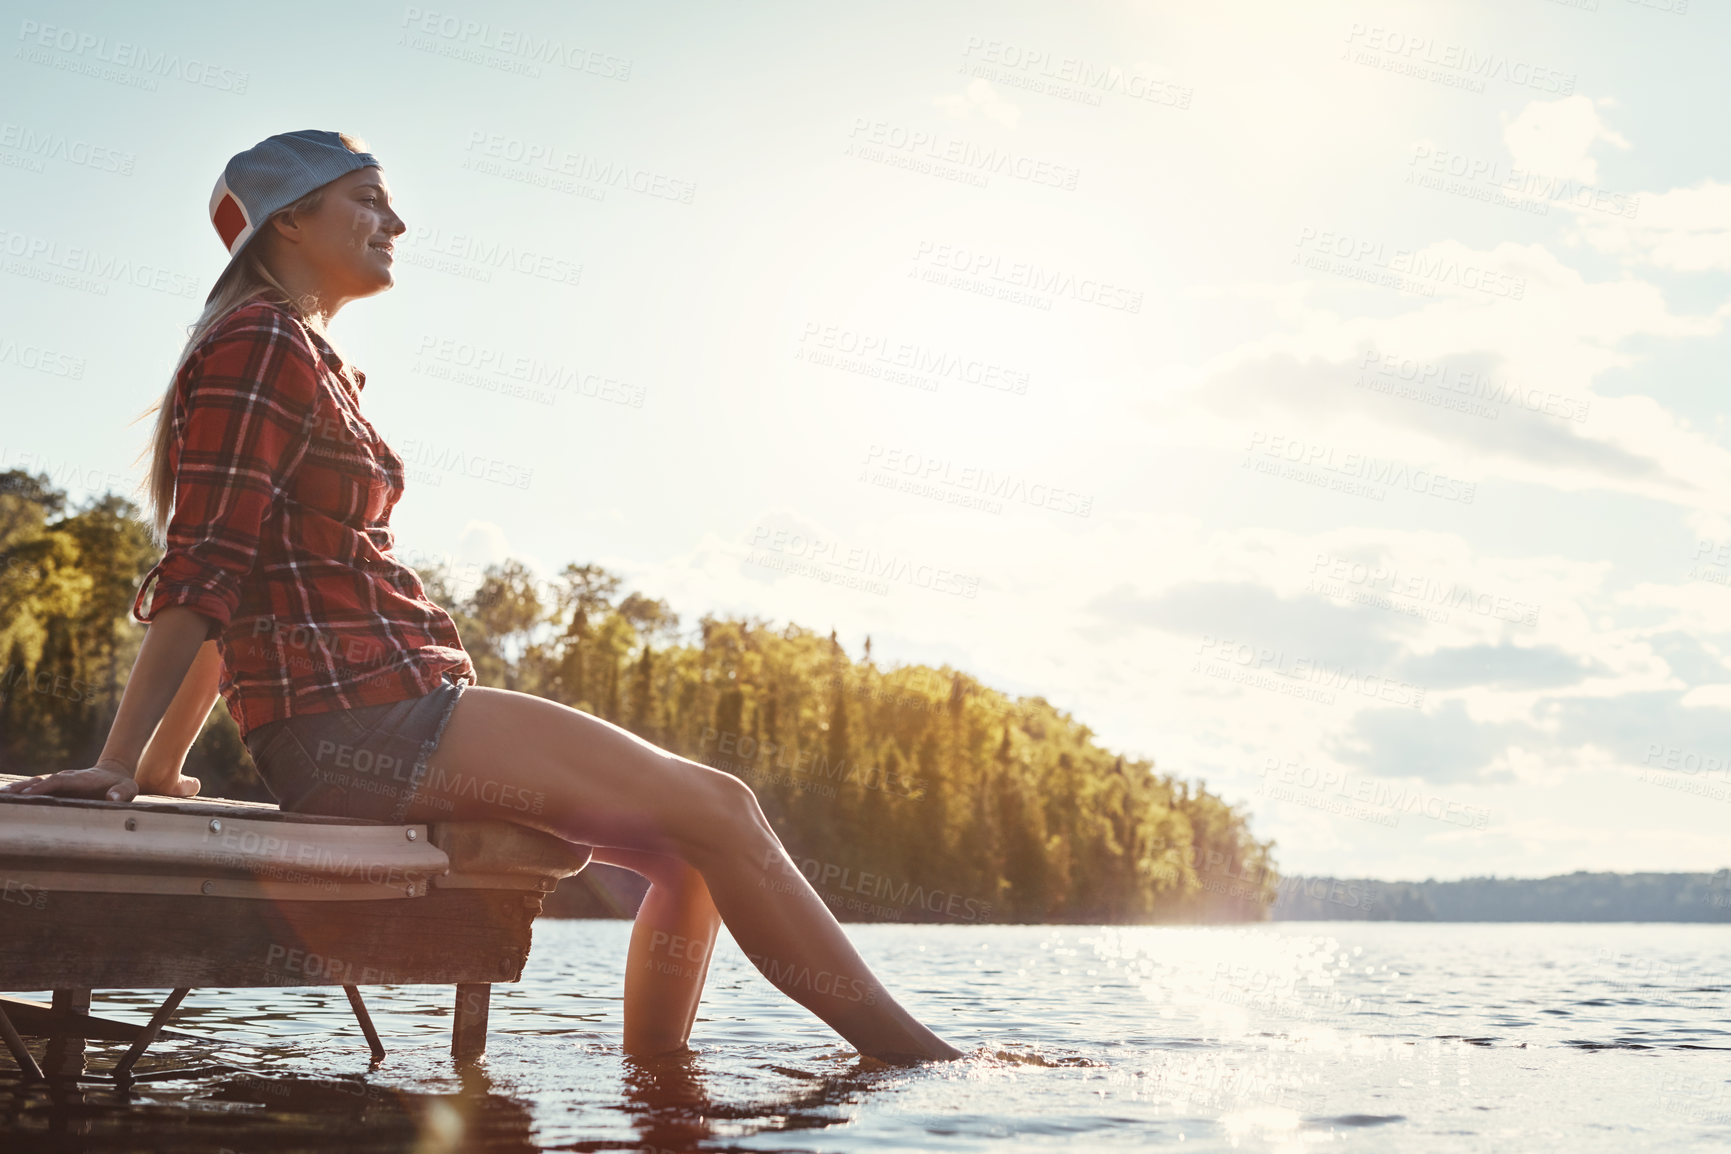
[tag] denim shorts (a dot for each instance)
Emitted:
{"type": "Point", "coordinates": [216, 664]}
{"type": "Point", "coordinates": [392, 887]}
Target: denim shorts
{"type": "Point", "coordinates": [367, 762]}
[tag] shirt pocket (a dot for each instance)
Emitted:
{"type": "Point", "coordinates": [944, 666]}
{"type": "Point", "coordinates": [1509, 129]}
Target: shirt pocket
{"type": "Point", "coordinates": [343, 475]}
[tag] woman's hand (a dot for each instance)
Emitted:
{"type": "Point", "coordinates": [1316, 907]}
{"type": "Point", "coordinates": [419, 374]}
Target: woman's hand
{"type": "Point", "coordinates": [105, 782]}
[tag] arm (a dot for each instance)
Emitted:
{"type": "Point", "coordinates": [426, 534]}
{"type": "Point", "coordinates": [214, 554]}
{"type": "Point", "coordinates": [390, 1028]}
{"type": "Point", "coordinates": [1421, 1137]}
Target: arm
{"type": "Point", "coordinates": [247, 409]}
{"type": "Point", "coordinates": [171, 649]}
{"type": "Point", "coordinates": [159, 766]}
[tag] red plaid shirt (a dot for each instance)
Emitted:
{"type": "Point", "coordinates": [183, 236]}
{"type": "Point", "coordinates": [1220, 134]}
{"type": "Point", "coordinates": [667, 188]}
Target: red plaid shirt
{"type": "Point", "coordinates": [281, 534]}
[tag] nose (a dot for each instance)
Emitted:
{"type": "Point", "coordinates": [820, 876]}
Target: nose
{"type": "Point", "coordinates": [392, 224]}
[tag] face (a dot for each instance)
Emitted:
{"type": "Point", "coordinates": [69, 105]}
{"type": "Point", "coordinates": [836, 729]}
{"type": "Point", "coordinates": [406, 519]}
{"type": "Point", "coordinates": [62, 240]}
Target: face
{"type": "Point", "coordinates": [345, 246]}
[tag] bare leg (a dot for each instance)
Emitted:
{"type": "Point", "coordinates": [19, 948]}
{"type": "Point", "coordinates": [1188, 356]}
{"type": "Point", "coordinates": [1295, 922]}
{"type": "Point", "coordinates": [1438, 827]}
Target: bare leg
{"type": "Point", "coordinates": [671, 942]}
{"type": "Point", "coordinates": [521, 758]}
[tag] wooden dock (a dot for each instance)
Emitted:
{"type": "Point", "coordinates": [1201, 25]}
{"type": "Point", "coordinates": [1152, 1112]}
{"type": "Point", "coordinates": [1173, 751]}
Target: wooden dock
{"type": "Point", "coordinates": [178, 895]}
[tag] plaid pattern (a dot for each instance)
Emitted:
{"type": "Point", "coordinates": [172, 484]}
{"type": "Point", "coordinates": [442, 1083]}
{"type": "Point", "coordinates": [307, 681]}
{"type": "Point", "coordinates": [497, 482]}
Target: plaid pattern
{"type": "Point", "coordinates": [280, 532]}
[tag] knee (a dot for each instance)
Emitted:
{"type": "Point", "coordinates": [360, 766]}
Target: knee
{"type": "Point", "coordinates": [726, 815]}
{"type": "Point", "coordinates": [671, 874]}
{"type": "Point", "coordinates": [734, 804]}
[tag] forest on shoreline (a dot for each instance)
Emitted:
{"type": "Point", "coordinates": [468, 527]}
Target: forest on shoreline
{"type": "Point", "coordinates": [1582, 896]}
{"type": "Point", "coordinates": [904, 794]}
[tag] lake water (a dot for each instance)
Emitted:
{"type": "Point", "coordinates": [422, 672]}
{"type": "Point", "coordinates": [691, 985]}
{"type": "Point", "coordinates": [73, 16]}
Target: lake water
{"type": "Point", "coordinates": [1284, 1037]}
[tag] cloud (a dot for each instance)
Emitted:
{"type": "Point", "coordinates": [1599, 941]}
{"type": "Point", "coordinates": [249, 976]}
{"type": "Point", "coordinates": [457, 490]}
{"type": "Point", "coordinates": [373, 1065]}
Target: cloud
{"type": "Point", "coordinates": [1690, 660]}
{"type": "Point", "coordinates": [1510, 666]}
{"type": "Point", "coordinates": [483, 543]}
{"type": "Point", "coordinates": [1555, 136]}
{"type": "Point", "coordinates": [1548, 348]}
{"type": "Point", "coordinates": [1439, 747]}
{"type": "Point", "coordinates": [1638, 727]}
{"type": "Point", "coordinates": [979, 96]}
{"type": "Point", "coordinates": [1293, 629]}
{"type": "Point", "coordinates": [1709, 696]}
{"type": "Point", "coordinates": [1476, 381]}
{"type": "Point", "coordinates": [1684, 229]}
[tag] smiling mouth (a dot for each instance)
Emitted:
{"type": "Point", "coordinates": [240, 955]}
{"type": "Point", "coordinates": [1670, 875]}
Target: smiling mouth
{"type": "Point", "coordinates": [384, 248]}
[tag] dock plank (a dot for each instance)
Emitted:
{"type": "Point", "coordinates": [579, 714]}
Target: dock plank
{"type": "Point", "coordinates": [160, 941]}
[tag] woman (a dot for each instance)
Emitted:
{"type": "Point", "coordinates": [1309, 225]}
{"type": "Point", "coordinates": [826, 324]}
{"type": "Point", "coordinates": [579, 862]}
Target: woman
{"type": "Point", "coordinates": [279, 590]}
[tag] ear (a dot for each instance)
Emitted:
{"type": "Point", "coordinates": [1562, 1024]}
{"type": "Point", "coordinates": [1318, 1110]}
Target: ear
{"type": "Point", "coordinates": [284, 224]}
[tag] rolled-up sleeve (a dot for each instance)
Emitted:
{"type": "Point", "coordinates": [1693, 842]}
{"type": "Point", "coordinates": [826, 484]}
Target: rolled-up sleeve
{"type": "Point", "coordinates": [243, 419]}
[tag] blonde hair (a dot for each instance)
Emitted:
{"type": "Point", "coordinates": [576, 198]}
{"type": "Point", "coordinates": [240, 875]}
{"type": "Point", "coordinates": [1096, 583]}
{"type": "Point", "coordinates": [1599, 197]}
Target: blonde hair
{"type": "Point", "coordinates": [245, 280]}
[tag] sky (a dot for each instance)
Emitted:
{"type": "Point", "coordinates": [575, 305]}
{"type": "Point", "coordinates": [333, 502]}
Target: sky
{"type": "Point", "coordinates": [1320, 400]}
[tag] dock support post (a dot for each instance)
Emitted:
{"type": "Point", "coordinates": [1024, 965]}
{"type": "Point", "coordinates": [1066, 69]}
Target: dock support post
{"type": "Point", "coordinates": [65, 1058]}
{"type": "Point", "coordinates": [366, 1021]}
{"type": "Point", "coordinates": [469, 1029]}
{"type": "Point", "coordinates": [21, 1053]}
{"type": "Point", "coordinates": [123, 1068]}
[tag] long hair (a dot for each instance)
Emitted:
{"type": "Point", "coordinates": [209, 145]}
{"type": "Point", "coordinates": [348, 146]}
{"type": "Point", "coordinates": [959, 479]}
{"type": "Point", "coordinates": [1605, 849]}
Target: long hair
{"type": "Point", "coordinates": [245, 280]}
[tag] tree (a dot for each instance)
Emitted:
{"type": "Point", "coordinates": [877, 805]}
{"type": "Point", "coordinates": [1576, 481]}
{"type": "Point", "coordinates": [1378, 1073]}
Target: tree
{"type": "Point", "coordinates": [582, 593]}
{"type": "Point", "coordinates": [923, 778]}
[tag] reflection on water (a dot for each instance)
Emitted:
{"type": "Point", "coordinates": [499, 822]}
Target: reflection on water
{"type": "Point", "coordinates": [240, 1111]}
{"type": "Point", "coordinates": [1287, 1037]}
